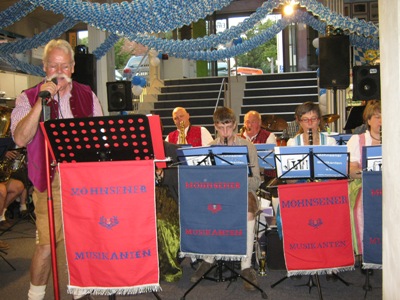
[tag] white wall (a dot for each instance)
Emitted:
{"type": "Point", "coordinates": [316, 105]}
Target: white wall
{"type": "Point", "coordinates": [14, 83]}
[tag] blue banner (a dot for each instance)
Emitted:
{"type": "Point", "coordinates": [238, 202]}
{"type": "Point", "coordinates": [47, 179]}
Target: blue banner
{"type": "Point", "coordinates": [372, 204]}
{"type": "Point", "coordinates": [213, 211]}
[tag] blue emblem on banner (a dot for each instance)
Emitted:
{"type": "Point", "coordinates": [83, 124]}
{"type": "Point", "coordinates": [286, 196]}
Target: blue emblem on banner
{"type": "Point", "coordinates": [315, 223]}
{"type": "Point", "coordinates": [108, 222]}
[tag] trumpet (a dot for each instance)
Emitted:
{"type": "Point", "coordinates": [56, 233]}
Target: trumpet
{"type": "Point", "coordinates": [182, 137]}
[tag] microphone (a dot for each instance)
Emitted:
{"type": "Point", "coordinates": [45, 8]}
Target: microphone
{"type": "Point", "coordinates": [310, 137]}
{"type": "Point", "coordinates": [46, 94]}
{"type": "Point", "coordinates": [226, 141]}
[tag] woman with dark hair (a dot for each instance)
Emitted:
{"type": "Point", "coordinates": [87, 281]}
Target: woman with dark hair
{"type": "Point", "coordinates": [373, 120]}
{"type": "Point", "coordinates": [308, 116]}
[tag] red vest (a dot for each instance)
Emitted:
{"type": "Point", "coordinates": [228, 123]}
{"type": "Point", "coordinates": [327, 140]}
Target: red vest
{"type": "Point", "coordinates": [193, 136]}
{"type": "Point", "coordinates": [261, 137]}
{"type": "Point", "coordinates": [81, 102]}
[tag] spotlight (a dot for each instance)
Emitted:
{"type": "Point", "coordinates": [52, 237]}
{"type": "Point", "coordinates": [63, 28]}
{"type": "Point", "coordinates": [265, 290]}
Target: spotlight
{"type": "Point", "coordinates": [288, 9]}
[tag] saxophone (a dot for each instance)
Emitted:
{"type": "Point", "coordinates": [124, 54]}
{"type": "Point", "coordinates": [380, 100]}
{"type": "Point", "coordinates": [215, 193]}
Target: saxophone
{"type": "Point", "coordinates": [182, 137]}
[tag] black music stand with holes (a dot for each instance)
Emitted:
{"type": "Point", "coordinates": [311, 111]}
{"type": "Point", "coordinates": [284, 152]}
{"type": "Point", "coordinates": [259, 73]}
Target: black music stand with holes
{"type": "Point", "coordinates": [97, 139]}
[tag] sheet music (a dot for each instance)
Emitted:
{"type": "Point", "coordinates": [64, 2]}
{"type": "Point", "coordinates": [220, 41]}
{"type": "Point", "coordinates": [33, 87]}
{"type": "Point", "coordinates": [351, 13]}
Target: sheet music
{"type": "Point", "coordinates": [328, 162]}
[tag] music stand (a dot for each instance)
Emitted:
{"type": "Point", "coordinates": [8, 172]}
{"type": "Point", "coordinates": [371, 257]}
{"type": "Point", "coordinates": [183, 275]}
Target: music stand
{"type": "Point", "coordinates": [342, 139]}
{"type": "Point", "coordinates": [312, 163]}
{"type": "Point", "coordinates": [215, 155]}
{"type": "Point", "coordinates": [372, 158]}
{"type": "Point", "coordinates": [207, 156]}
{"type": "Point", "coordinates": [111, 138]}
{"type": "Point", "coordinates": [265, 153]}
{"type": "Point", "coordinates": [355, 118]}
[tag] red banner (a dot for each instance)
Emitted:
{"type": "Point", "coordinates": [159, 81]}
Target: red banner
{"type": "Point", "coordinates": [316, 227]}
{"type": "Point", "coordinates": [110, 227]}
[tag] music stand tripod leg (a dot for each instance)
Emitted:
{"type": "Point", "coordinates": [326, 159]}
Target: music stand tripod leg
{"type": "Point", "coordinates": [2, 256]}
{"type": "Point", "coordinates": [367, 287]}
{"type": "Point", "coordinates": [236, 274]}
{"type": "Point", "coordinates": [311, 283]}
{"type": "Point", "coordinates": [279, 281]}
{"type": "Point", "coordinates": [341, 279]}
{"type": "Point", "coordinates": [201, 278]}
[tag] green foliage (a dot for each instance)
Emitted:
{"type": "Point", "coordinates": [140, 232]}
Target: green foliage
{"type": "Point", "coordinates": [121, 57]}
{"type": "Point", "coordinates": [258, 57]}
{"type": "Point", "coordinates": [83, 41]}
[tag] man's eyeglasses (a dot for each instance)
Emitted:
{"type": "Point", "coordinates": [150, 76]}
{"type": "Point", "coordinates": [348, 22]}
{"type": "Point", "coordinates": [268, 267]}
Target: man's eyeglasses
{"type": "Point", "coordinates": [307, 120]}
{"type": "Point", "coordinates": [64, 67]}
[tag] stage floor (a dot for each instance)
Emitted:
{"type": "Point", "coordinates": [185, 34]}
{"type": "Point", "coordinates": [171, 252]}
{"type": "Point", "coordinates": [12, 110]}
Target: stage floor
{"type": "Point", "coordinates": [15, 284]}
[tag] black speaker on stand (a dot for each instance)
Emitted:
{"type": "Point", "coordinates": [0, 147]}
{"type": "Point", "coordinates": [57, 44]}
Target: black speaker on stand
{"type": "Point", "coordinates": [366, 83]}
{"type": "Point", "coordinates": [119, 96]}
{"type": "Point", "coordinates": [85, 70]}
{"type": "Point", "coordinates": [334, 64]}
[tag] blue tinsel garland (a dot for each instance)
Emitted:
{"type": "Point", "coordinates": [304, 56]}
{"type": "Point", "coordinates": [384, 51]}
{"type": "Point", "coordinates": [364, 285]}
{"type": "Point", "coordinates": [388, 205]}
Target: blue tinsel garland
{"type": "Point", "coordinates": [137, 19]}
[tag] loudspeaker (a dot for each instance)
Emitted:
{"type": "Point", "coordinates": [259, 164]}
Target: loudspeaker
{"type": "Point", "coordinates": [119, 96]}
{"type": "Point", "coordinates": [334, 62]}
{"type": "Point", "coordinates": [366, 83]}
{"type": "Point", "coordinates": [85, 70]}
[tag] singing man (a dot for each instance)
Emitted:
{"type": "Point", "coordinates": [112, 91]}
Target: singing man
{"type": "Point", "coordinates": [65, 98]}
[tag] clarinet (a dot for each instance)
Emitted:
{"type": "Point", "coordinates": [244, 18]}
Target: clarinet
{"type": "Point", "coordinates": [380, 133]}
{"type": "Point", "coordinates": [225, 141]}
{"type": "Point", "coordinates": [310, 137]}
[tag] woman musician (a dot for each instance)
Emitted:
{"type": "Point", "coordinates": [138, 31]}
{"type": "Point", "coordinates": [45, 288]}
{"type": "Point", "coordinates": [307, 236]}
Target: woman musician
{"type": "Point", "coordinates": [373, 120]}
{"type": "Point", "coordinates": [308, 116]}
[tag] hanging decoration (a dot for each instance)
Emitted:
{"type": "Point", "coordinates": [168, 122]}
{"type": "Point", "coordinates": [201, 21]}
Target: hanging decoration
{"type": "Point", "coordinates": [138, 20]}
{"type": "Point", "coordinates": [16, 12]}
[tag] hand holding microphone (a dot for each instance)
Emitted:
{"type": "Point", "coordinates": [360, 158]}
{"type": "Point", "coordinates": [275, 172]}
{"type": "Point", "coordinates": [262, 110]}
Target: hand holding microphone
{"type": "Point", "coordinates": [46, 95]}
{"type": "Point", "coordinates": [46, 99]}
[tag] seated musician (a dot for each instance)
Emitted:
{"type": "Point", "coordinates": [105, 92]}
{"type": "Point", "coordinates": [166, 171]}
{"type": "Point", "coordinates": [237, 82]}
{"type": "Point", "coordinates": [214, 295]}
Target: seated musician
{"type": "Point", "coordinates": [373, 120]}
{"type": "Point", "coordinates": [253, 131]}
{"type": "Point", "coordinates": [308, 116]}
{"type": "Point", "coordinates": [9, 191]}
{"type": "Point", "coordinates": [15, 159]}
{"type": "Point", "coordinates": [225, 124]}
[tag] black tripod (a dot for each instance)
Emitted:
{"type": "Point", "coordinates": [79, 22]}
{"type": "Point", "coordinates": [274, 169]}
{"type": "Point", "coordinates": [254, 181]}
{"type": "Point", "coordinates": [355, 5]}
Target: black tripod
{"type": "Point", "coordinates": [2, 256]}
{"type": "Point", "coordinates": [220, 266]}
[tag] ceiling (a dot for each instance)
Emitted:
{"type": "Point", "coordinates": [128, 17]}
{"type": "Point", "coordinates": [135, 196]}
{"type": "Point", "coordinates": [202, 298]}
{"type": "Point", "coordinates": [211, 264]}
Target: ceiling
{"type": "Point", "coordinates": [48, 17]}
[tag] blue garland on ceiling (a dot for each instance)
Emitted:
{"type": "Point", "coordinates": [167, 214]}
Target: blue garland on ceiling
{"type": "Point", "coordinates": [106, 46]}
{"type": "Point", "coordinates": [20, 65]}
{"type": "Point", "coordinates": [16, 12]}
{"type": "Point", "coordinates": [145, 16]}
{"type": "Point", "coordinates": [136, 19]}
{"type": "Point", "coordinates": [38, 40]}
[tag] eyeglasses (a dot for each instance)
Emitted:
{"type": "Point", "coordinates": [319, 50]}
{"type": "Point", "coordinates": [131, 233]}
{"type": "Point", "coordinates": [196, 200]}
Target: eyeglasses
{"type": "Point", "coordinates": [63, 67]}
{"type": "Point", "coordinates": [307, 120]}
